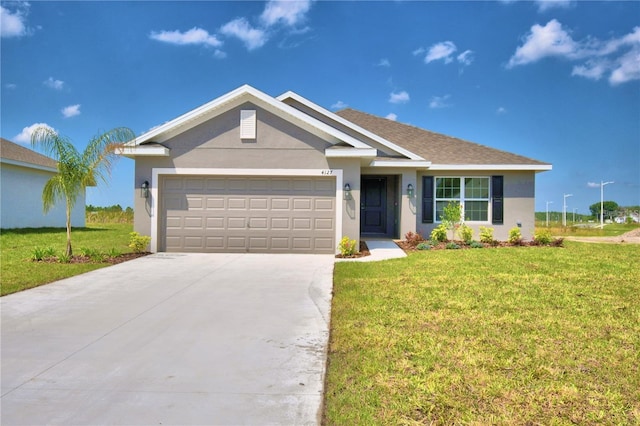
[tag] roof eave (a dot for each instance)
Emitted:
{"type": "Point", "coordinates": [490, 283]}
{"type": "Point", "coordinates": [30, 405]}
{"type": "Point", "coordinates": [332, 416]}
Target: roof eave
{"type": "Point", "coordinates": [480, 167]}
{"type": "Point", "coordinates": [28, 165]}
{"type": "Point", "coordinates": [416, 164]}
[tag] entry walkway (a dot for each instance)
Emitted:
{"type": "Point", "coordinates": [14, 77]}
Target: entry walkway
{"type": "Point", "coordinates": [380, 250]}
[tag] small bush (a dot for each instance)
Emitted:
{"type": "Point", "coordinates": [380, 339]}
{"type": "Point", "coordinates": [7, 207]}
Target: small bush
{"type": "Point", "coordinates": [515, 236]}
{"type": "Point", "coordinates": [452, 246]}
{"type": "Point", "coordinates": [42, 253]}
{"type": "Point", "coordinates": [486, 235]}
{"type": "Point", "coordinates": [423, 246]}
{"type": "Point", "coordinates": [64, 258]}
{"type": "Point", "coordinates": [466, 233]}
{"type": "Point", "coordinates": [347, 247]}
{"type": "Point", "coordinates": [475, 244]}
{"type": "Point", "coordinates": [542, 237]}
{"type": "Point", "coordinates": [92, 254]}
{"type": "Point", "coordinates": [413, 238]}
{"type": "Point", "coordinates": [113, 252]}
{"type": "Point", "coordinates": [439, 233]}
{"type": "Point", "coordinates": [138, 243]}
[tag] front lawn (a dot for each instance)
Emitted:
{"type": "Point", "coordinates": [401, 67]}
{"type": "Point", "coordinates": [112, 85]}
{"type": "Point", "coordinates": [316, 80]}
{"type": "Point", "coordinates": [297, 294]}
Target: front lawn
{"type": "Point", "coordinates": [17, 270]}
{"type": "Point", "coordinates": [489, 336]}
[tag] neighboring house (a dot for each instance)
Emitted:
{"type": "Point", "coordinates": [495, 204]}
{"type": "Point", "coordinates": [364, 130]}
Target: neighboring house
{"type": "Point", "coordinates": [251, 173]}
{"type": "Point", "coordinates": [23, 173]}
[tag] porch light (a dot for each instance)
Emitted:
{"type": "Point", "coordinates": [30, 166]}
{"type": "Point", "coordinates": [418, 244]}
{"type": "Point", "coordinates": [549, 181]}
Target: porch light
{"type": "Point", "coordinates": [410, 191]}
{"type": "Point", "coordinates": [144, 189]}
{"type": "Point", "coordinates": [347, 191]}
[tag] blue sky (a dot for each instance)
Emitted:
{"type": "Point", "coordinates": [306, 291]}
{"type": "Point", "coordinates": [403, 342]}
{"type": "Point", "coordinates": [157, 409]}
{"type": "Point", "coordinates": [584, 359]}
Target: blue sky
{"type": "Point", "coordinates": [558, 81]}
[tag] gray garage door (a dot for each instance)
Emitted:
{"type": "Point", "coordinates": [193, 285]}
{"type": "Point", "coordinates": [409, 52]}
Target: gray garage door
{"type": "Point", "coordinates": [247, 214]}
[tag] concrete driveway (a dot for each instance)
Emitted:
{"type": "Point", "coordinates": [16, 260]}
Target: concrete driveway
{"type": "Point", "coordinates": [171, 339]}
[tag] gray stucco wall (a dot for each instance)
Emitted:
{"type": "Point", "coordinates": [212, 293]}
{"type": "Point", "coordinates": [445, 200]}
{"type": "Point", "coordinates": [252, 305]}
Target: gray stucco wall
{"type": "Point", "coordinates": [216, 144]}
{"type": "Point", "coordinates": [21, 200]}
{"type": "Point", "coordinates": [519, 203]}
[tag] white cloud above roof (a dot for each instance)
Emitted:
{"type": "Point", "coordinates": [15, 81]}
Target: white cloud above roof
{"type": "Point", "coordinates": [193, 36]}
{"type": "Point", "coordinates": [289, 13]}
{"type": "Point", "coordinates": [438, 102]}
{"type": "Point", "coordinates": [391, 116]}
{"type": "Point", "coordinates": [53, 83]}
{"type": "Point", "coordinates": [240, 28]}
{"type": "Point", "coordinates": [443, 50]}
{"type": "Point", "coordinates": [339, 105]}
{"type": "Point", "coordinates": [618, 57]}
{"type": "Point", "coordinates": [13, 24]}
{"type": "Point", "coordinates": [399, 97]}
{"type": "Point", "coordinates": [71, 111]}
{"type": "Point", "coordinates": [24, 137]}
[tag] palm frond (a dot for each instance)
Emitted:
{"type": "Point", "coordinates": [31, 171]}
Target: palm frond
{"type": "Point", "coordinates": [100, 154]}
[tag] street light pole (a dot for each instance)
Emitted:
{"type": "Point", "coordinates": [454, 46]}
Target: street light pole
{"type": "Point", "coordinates": [574, 215]}
{"type": "Point", "coordinates": [602, 184]}
{"type": "Point", "coordinates": [548, 202]}
{"type": "Point", "coordinates": [564, 208]}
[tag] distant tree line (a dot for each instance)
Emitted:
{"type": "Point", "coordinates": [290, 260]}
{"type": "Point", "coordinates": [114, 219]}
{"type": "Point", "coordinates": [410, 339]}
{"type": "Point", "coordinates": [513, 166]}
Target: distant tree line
{"type": "Point", "coordinates": [611, 211]}
{"type": "Point", "coordinates": [117, 208]}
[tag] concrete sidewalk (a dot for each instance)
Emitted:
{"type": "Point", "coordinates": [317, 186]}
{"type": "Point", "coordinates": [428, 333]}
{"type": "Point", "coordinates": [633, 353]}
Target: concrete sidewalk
{"type": "Point", "coordinates": [171, 339]}
{"type": "Point", "coordinates": [380, 250]}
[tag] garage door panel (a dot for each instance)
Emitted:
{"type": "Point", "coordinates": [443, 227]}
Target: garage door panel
{"type": "Point", "coordinates": [256, 214]}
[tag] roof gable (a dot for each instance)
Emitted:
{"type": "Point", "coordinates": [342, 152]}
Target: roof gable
{"type": "Point", "coordinates": [444, 152]}
{"type": "Point", "coordinates": [12, 153]}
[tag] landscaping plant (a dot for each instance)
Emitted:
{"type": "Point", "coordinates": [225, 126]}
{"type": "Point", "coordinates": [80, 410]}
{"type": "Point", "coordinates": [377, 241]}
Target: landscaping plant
{"type": "Point", "coordinates": [439, 233]}
{"type": "Point", "coordinates": [486, 235]}
{"type": "Point", "coordinates": [466, 233]}
{"type": "Point", "coordinates": [138, 243]}
{"type": "Point", "coordinates": [515, 236]}
{"type": "Point", "coordinates": [451, 216]}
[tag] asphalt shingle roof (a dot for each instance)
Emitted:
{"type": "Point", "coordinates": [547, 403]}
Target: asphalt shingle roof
{"type": "Point", "coordinates": [434, 147]}
{"type": "Point", "coordinates": [12, 151]}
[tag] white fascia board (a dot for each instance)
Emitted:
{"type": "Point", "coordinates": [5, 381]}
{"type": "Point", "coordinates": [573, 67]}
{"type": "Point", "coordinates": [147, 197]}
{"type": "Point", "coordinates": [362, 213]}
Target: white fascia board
{"type": "Point", "coordinates": [355, 127]}
{"type": "Point", "coordinates": [143, 151]}
{"type": "Point", "coordinates": [401, 163]}
{"type": "Point", "coordinates": [28, 165]}
{"type": "Point", "coordinates": [350, 152]}
{"type": "Point", "coordinates": [242, 94]}
{"type": "Point", "coordinates": [531, 167]}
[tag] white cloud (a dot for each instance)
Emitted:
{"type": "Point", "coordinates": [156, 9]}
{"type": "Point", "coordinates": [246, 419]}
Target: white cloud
{"type": "Point", "coordinates": [384, 62]}
{"type": "Point", "coordinates": [53, 84]}
{"type": "Point", "coordinates": [550, 40]}
{"type": "Point", "coordinates": [399, 98]}
{"type": "Point", "coordinates": [25, 136]}
{"type": "Point", "coordinates": [419, 51]}
{"type": "Point", "coordinates": [593, 185]}
{"type": "Point", "coordinates": [13, 24]}
{"type": "Point", "coordinates": [219, 54]}
{"type": "Point", "coordinates": [11, 86]}
{"type": "Point", "coordinates": [193, 36]}
{"type": "Point", "coordinates": [443, 50]}
{"type": "Point", "coordinates": [465, 58]}
{"type": "Point", "coordinates": [544, 5]}
{"type": "Point", "coordinates": [289, 13]}
{"type": "Point", "coordinates": [391, 116]}
{"type": "Point", "coordinates": [437, 102]}
{"type": "Point", "coordinates": [501, 111]}
{"type": "Point", "coordinates": [339, 105]}
{"type": "Point", "coordinates": [253, 38]}
{"type": "Point", "coordinates": [618, 57]}
{"type": "Point", "coordinates": [71, 111]}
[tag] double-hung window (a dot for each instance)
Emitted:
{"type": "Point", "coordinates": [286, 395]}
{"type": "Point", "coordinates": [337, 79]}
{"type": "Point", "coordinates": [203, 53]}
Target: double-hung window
{"type": "Point", "coordinates": [471, 192]}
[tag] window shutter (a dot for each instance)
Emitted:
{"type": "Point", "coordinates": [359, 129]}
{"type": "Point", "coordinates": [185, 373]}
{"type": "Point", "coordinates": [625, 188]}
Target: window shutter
{"type": "Point", "coordinates": [497, 205]}
{"type": "Point", "coordinates": [247, 124]}
{"type": "Point", "coordinates": [427, 199]}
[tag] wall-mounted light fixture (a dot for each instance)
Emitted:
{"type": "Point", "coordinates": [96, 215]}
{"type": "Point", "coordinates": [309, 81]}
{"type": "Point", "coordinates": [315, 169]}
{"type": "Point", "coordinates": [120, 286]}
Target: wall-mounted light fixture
{"type": "Point", "coordinates": [410, 191]}
{"type": "Point", "coordinates": [144, 189]}
{"type": "Point", "coordinates": [347, 191]}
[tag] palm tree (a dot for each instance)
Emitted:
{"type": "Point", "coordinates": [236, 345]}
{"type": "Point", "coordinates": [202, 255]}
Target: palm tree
{"type": "Point", "coordinates": [77, 170]}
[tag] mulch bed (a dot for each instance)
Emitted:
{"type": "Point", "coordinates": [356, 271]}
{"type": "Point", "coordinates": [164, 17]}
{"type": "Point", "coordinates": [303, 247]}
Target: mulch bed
{"type": "Point", "coordinates": [408, 246]}
{"type": "Point", "coordinates": [364, 251]}
{"type": "Point", "coordinates": [86, 259]}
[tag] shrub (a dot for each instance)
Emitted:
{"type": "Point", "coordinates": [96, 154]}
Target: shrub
{"type": "Point", "coordinates": [42, 253]}
{"type": "Point", "coordinates": [475, 244]}
{"type": "Point", "coordinates": [452, 246]}
{"type": "Point", "coordinates": [515, 236]}
{"type": "Point", "coordinates": [451, 216]}
{"type": "Point", "coordinates": [466, 233]}
{"type": "Point", "coordinates": [542, 237]}
{"type": "Point", "coordinates": [347, 247]}
{"type": "Point", "coordinates": [138, 243]}
{"type": "Point", "coordinates": [92, 254]}
{"type": "Point", "coordinates": [413, 238]}
{"type": "Point", "coordinates": [423, 246]}
{"type": "Point", "coordinates": [486, 235]}
{"type": "Point", "coordinates": [64, 258]}
{"type": "Point", "coordinates": [113, 252]}
{"type": "Point", "coordinates": [439, 233]}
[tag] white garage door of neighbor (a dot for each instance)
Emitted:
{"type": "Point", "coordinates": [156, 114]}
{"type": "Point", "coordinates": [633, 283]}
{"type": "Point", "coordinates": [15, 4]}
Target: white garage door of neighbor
{"type": "Point", "coordinates": [248, 214]}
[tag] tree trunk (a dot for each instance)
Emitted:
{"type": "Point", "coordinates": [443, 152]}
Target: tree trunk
{"type": "Point", "coordinates": [69, 250]}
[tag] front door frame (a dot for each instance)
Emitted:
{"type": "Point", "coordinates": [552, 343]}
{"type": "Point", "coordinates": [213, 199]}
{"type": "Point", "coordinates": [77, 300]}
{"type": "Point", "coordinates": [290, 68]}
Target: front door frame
{"type": "Point", "coordinates": [390, 225]}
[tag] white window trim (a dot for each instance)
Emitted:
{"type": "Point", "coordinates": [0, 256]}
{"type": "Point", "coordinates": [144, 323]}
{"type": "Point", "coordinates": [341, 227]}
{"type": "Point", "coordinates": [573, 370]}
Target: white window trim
{"type": "Point", "coordinates": [462, 200]}
{"type": "Point", "coordinates": [157, 173]}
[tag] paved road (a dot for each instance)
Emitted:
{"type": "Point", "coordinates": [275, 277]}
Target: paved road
{"type": "Point", "coordinates": [171, 339]}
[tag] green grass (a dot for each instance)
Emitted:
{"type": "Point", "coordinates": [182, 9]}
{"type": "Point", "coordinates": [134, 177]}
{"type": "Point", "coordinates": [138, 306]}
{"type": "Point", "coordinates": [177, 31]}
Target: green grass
{"type": "Point", "coordinates": [18, 272]}
{"type": "Point", "coordinates": [611, 230]}
{"type": "Point", "coordinates": [493, 336]}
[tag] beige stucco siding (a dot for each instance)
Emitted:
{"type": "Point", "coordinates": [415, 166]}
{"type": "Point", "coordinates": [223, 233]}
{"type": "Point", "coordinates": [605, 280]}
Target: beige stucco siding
{"type": "Point", "coordinates": [519, 200]}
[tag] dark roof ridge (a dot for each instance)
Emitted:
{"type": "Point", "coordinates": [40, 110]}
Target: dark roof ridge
{"type": "Point", "coordinates": [15, 152]}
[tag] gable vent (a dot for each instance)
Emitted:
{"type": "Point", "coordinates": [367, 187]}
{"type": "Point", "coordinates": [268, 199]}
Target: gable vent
{"type": "Point", "coordinates": [248, 124]}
